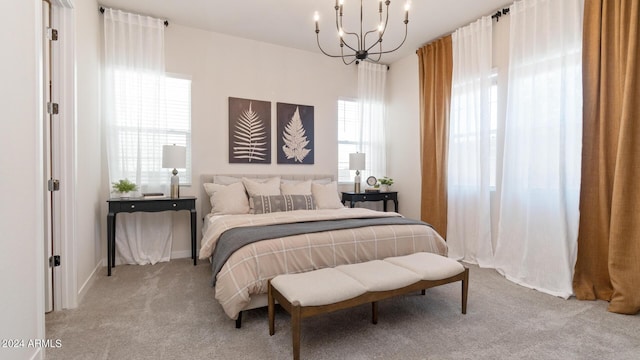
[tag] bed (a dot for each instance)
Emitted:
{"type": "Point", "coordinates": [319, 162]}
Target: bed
{"type": "Point", "coordinates": [253, 241]}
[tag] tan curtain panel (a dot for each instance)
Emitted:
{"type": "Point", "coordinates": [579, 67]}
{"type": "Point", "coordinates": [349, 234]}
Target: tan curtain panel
{"type": "Point", "coordinates": [435, 68]}
{"type": "Point", "coordinates": [608, 264]}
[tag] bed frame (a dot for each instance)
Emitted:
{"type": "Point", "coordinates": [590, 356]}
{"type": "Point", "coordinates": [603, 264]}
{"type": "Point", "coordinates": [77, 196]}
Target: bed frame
{"type": "Point", "coordinates": [257, 301]}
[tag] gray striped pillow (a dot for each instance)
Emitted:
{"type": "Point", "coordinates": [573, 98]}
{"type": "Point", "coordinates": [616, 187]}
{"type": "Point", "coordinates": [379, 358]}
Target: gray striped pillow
{"type": "Point", "coordinates": [264, 204]}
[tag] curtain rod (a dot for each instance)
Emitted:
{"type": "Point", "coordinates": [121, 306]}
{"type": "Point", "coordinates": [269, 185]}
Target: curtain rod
{"type": "Point", "coordinates": [166, 22]}
{"type": "Point", "coordinates": [496, 15]}
{"type": "Point", "coordinates": [499, 13]}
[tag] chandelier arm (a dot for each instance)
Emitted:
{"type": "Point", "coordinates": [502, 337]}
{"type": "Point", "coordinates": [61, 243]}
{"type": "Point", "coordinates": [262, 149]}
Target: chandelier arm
{"type": "Point", "coordinates": [397, 47]}
{"type": "Point", "coordinates": [361, 43]}
{"type": "Point", "coordinates": [343, 57]}
{"type": "Point", "coordinates": [365, 38]}
{"type": "Point", "coordinates": [324, 52]}
{"type": "Point", "coordinates": [386, 22]}
{"type": "Point", "coordinates": [379, 55]}
{"type": "Point", "coordinates": [349, 46]}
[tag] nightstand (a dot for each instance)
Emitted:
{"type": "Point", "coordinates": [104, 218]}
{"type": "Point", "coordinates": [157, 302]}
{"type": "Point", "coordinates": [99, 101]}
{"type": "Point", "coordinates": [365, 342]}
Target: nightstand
{"type": "Point", "coordinates": [130, 205]}
{"type": "Point", "coordinates": [353, 197]}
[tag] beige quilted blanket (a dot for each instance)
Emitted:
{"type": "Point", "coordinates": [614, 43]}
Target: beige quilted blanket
{"type": "Point", "coordinates": [246, 272]}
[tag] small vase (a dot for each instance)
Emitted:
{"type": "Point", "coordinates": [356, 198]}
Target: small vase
{"type": "Point", "coordinates": [122, 195]}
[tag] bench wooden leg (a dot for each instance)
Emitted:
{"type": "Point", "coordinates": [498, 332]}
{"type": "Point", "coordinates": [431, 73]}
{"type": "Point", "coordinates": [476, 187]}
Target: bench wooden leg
{"type": "Point", "coordinates": [295, 329]}
{"type": "Point", "coordinates": [465, 290]}
{"type": "Point", "coordinates": [423, 292]}
{"type": "Point", "coordinates": [374, 312]}
{"type": "Point", "coordinates": [271, 308]}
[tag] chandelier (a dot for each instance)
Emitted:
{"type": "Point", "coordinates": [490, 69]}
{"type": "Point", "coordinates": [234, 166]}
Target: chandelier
{"type": "Point", "coordinates": [357, 46]}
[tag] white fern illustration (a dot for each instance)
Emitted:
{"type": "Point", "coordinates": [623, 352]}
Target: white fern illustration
{"type": "Point", "coordinates": [250, 137]}
{"type": "Point", "coordinates": [295, 139]}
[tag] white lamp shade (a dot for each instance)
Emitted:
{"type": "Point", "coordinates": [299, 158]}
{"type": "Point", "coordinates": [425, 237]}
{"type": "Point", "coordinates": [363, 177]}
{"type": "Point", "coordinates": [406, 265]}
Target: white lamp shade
{"type": "Point", "coordinates": [174, 156]}
{"type": "Point", "coordinates": [357, 161]}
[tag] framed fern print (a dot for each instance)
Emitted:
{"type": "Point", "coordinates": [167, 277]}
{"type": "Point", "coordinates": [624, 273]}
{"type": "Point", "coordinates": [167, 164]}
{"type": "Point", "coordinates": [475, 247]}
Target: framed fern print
{"type": "Point", "coordinates": [249, 131]}
{"type": "Point", "coordinates": [295, 134]}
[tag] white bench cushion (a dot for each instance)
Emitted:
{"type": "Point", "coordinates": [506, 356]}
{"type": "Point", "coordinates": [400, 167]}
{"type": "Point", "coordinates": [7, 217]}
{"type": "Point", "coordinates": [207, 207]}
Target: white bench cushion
{"type": "Point", "coordinates": [429, 266]}
{"type": "Point", "coordinates": [319, 287]}
{"type": "Point", "coordinates": [378, 275]}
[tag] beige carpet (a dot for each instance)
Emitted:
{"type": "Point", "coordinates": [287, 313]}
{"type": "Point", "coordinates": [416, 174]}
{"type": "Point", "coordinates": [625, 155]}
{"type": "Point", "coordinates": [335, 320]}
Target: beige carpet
{"type": "Point", "coordinates": [167, 311]}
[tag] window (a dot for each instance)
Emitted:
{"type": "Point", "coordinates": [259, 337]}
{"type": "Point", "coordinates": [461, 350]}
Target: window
{"type": "Point", "coordinates": [348, 136]}
{"type": "Point", "coordinates": [140, 142]}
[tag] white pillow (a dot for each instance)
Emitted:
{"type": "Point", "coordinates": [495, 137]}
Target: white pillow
{"type": "Point", "coordinates": [295, 187]}
{"type": "Point", "coordinates": [225, 180]}
{"type": "Point", "coordinates": [326, 196]}
{"type": "Point", "coordinates": [268, 187]}
{"type": "Point", "coordinates": [324, 181]}
{"type": "Point", "coordinates": [227, 199]}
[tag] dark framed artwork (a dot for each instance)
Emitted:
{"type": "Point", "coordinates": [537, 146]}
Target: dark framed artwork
{"type": "Point", "coordinates": [295, 134]}
{"type": "Point", "coordinates": [249, 131]}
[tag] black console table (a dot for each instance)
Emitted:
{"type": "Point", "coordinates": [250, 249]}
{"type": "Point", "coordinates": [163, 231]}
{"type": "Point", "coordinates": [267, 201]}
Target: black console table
{"type": "Point", "coordinates": [129, 205]}
{"type": "Point", "coordinates": [353, 197]}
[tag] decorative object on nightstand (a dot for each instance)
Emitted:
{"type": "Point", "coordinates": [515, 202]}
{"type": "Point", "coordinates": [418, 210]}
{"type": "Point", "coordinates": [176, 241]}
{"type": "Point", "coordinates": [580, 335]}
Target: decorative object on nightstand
{"type": "Point", "coordinates": [373, 185]}
{"type": "Point", "coordinates": [385, 183]}
{"type": "Point", "coordinates": [357, 163]}
{"type": "Point", "coordinates": [174, 156]}
{"type": "Point", "coordinates": [124, 187]}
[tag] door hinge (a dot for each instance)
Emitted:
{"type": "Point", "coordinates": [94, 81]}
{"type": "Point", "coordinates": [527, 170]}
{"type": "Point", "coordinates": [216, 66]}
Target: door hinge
{"type": "Point", "coordinates": [53, 185]}
{"type": "Point", "coordinates": [54, 261]}
{"type": "Point", "coordinates": [52, 108]}
{"type": "Point", "coordinates": [52, 34]}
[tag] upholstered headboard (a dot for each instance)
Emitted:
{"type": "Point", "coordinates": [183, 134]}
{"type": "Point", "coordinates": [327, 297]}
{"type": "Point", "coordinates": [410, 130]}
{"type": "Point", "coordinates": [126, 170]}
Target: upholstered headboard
{"type": "Point", "coordinates": [205, 204]}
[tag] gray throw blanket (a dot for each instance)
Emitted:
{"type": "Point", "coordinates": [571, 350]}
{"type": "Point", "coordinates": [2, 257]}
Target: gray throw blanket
{"type": "Point", "coordinates": [233, 239]}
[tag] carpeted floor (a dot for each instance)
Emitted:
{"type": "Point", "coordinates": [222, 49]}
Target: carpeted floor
{"type": "Point", "coordinates": [168, 311]}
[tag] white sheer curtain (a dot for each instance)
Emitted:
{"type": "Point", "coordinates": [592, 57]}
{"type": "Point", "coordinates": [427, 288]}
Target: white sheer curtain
{"type": "Point", "coordinates": [371, 109]}
{"type": "Point", "coordinates": [536, 244]}
{"type": "Point", "coordinates": [468, 214]}
{"type": "Point", "coordinates": [133, 105]}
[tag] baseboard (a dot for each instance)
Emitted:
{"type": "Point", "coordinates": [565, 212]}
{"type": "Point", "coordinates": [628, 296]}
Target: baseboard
{"type": "Point", "coordinates": [87, 284]}
{"type": "Point", "coordinates": [181, 254]}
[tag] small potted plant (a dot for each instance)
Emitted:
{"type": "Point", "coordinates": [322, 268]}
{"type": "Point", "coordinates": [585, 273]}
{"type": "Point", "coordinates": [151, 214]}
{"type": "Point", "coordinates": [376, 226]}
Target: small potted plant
{"type": "Point", "coordinates": [124, 187]}
{"type": "Point", "coordinates": [385, 182]}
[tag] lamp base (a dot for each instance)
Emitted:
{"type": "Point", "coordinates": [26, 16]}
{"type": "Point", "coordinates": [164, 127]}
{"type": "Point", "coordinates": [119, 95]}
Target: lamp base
{"type": "Point", "coordinates": [175, 187]}
{"type": "Point", "coordinates": [356, 183]}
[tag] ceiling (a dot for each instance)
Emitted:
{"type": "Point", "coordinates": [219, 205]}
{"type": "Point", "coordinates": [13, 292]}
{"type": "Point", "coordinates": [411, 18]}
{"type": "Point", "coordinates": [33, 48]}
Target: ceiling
{"type": "Point", "coordinates": [290, 22]}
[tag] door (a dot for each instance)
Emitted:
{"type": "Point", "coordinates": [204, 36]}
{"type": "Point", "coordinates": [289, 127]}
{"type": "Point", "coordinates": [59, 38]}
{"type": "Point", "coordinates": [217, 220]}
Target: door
{"type": "Point", "coordinates": [51, 134]}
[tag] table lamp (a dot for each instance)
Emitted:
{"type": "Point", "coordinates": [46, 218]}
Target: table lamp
{"type": "Point", "coordinates": [174, 156]}
{"type": "Point", "coordinates": [357, 163]}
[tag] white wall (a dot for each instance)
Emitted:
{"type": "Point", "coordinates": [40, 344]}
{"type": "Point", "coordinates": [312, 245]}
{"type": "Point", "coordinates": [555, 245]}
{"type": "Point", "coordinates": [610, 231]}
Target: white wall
{"type": "Point", "coordinates": [403, 134]}
{"type": "Point", "coordinates": [91, 190]}
{"type": "Point", "coordinates": [223, 66]}
{"type": "Point", "coordinates": [21, 224]}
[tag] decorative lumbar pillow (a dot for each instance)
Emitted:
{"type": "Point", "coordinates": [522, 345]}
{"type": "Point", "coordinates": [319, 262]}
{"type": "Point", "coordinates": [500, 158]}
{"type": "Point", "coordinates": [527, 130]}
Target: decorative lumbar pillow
{"type": "Point", "coordinates": [227, 199]}
{"type": "Point", "coordinates": [295, 187]}
{"type": "Point", "coordinates": [275, 203]}
{"type": "Point", "coordinates": [326, 196]}
{"type": "Point", "coordinates": [265, 188]}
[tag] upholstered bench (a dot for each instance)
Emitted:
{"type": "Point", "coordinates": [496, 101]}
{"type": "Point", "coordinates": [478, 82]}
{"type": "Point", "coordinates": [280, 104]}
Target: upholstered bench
{"type": "Point", "coordinates": [325, 290]}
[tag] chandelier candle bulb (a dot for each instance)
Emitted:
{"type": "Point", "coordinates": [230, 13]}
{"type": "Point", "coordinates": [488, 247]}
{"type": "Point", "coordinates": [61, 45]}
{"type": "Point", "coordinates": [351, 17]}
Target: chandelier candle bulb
{"type": "Point", "coordinates": [316, 17]}
{"type": "Point", "coordinates": [407, 6]}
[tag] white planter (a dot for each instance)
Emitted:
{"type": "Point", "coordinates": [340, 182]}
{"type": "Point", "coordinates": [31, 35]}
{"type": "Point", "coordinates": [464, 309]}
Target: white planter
{"type": "Point", "coordinates": [384, 188]}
